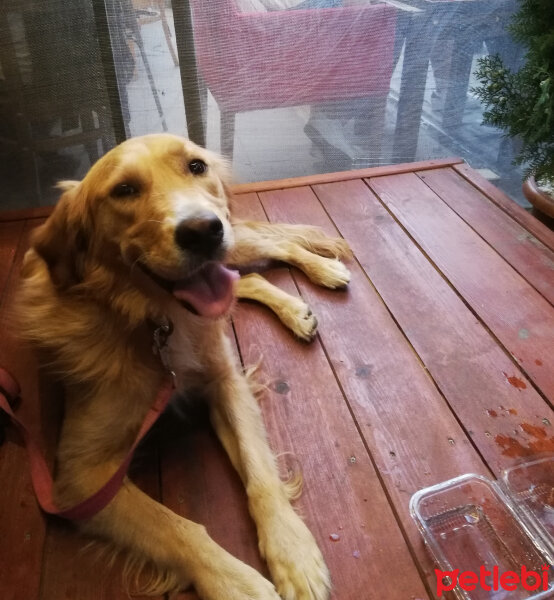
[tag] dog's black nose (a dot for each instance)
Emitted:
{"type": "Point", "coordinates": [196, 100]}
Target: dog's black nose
{"type": "Point", "coordinates": [201, 234]}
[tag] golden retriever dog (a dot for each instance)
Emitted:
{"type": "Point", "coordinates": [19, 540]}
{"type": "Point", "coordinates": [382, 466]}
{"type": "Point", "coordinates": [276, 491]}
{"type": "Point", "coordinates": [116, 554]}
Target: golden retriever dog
{"type": "Point", "coordinates": [144, 240]}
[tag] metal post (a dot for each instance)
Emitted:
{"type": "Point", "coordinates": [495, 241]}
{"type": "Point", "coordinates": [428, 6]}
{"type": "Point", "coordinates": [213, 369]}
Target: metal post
{"type": "Point", "coordinates": [108, 66]}
{"type": "Point", "coordinates": [189, 71]}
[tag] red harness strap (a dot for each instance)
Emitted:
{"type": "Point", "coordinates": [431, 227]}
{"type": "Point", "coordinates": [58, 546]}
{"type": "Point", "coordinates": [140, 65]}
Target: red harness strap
{"type": "Point", "coordinates": [42, 480]}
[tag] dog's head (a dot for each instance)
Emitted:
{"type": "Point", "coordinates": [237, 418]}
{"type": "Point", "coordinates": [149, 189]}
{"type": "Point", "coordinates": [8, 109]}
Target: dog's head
{"type": "Point", "coordinates": [157, 204]}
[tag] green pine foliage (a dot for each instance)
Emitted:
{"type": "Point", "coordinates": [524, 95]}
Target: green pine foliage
{"type": "Point", "coordinates": [522, 102]}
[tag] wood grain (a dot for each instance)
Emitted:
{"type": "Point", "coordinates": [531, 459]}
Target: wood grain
{"type": "Point", "coordinates": [10, 234]}
{"type": "Point", "coordinates": [529, 256]}
{"type": "Point", "coordinates": [24, 214]}
{"type": "Point", "coordinates": [517, 314]}
{"type": "Point", "coordinates": [464, 360]}
{"type": "Point", "coordinates": [533, 226]}
{"type": "Point", "coordinates": [278, 184]}
{"type": "Point", "coordinates": [405, 422]}
{"type": "Point", "coordinates": [200, 484]}
{"type": "Point", "coordinates": [23, 526]}
{"type": "Point", "coordinates": [306, 414]}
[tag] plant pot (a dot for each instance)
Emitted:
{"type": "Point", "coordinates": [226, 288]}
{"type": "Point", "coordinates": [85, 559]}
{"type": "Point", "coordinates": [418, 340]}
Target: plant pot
{"type": "Point", "coordinates": [538, 198]}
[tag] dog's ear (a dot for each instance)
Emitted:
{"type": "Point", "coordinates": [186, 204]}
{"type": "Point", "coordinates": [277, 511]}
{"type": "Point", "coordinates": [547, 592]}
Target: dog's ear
{"type": "Point", "coordinates": [62, 241]}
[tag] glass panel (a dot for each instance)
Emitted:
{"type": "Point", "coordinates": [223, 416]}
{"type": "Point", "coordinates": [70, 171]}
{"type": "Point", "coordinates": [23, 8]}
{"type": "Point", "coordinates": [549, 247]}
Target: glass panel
{"type": "Point", "coordinates": [55, 113]}
{"type": "Point", "coordinates": [285, 87]}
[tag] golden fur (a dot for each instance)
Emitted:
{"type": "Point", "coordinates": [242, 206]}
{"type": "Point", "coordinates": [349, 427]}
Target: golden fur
{"type": "Point", "coordinates": [85, 301]}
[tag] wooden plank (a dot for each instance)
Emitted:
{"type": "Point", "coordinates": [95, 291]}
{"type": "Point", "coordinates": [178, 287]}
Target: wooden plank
{"type": "Point", "coordinates": [534, 226]}
{"type": "Point", "coordinates": [305, 413]}
{"type": "Point", "coordinates": [516, 313]}
{"type": "Point", "coordinates": [23, 525]}
{"type": "Point", "coordinates": [10, 234]}
{"type": "Point", "coordinates": [37, 212]}
{"type": "Point", "coordinates": [74, 569]}
{"type": "Point", "coordinates": [277, 184]}
{"type": "Point", "coordinates": [529, 256]}
{"type": "Point", "coordinates": [200, 484]}
{"type": "Point", "coordinates": [463, 358]}
{"type": "Point", "coordinates": [405, 422]}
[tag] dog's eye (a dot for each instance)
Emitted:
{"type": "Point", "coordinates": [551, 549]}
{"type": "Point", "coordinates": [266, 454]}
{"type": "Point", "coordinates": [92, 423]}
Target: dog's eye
{"type": "Point", "coordinates": [197, 166]}
{"type": "Point", "coordinates": [122, 190]}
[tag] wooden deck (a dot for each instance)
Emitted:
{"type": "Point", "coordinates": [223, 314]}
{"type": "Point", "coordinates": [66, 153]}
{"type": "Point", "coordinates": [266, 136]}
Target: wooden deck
{"type": "Point", "coordinates": [437, 361]}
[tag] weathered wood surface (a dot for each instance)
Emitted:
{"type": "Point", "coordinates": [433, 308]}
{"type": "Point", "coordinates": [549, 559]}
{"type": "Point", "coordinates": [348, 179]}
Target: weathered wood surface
{"type": "Point", "coordinates": [435, 362]}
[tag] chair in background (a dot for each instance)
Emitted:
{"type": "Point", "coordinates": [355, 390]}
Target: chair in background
{"type": "Point", "coordinates": [258, 60]}
{"type": "Point", "coordinates": [446, 35]}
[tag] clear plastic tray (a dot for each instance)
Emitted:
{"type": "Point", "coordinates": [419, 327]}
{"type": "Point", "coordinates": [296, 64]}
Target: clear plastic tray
{"type": "Point", "coordinates": [531, 486]}
{"type": "Point", "coordinates": [471, 524]}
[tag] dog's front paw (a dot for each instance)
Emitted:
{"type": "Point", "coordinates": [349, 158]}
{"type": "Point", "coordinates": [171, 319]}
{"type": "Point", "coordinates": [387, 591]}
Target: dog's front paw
{"type": "Point", "coordinates": [298, 317]}
{"type": "Point", "coordinates": [227, 577]}
{"type": "Point", "coordinates": [329, 273]}
{"type": "Point", "coordinates": [294, 559]}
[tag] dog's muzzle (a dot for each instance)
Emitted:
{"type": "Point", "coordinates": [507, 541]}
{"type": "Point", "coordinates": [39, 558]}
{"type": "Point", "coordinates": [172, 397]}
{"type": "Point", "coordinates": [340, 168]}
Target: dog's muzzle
{"type": "Point", "coordinates": [207, 290]}
{"type": "Point", "coordinates": [201, 234]}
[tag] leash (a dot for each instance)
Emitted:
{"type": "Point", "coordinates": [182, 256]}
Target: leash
{"type": "Point", "coordinates": [40, 474]}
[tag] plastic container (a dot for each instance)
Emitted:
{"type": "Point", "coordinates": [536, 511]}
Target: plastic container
{"type": "Point", "coordinates": [531, 486]}
{"type": "Point", "coordinates": [483, 533]}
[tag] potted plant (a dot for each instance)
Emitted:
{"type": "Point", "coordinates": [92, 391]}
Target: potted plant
{"type": "Point", "coordinates": [522, 102]}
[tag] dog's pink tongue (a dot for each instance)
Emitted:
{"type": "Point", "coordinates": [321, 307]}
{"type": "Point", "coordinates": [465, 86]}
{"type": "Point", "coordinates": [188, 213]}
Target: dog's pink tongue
{"type": "Point", "coordinates": [209, 291]}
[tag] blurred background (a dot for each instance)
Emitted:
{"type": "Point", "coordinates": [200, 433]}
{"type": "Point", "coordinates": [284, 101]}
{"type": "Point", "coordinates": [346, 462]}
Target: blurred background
{"type": "Point", "coordinates": [282, 87]}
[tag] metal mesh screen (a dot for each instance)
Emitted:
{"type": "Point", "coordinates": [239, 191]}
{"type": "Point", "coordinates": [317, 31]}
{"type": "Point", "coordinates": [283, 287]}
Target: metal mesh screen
{"type": "Point", "coordinates": [284, 87]}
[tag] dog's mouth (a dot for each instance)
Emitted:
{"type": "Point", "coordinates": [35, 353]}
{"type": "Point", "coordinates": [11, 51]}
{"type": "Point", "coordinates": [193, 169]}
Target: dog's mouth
{"type": "Point", "coordinates": [207, 292]}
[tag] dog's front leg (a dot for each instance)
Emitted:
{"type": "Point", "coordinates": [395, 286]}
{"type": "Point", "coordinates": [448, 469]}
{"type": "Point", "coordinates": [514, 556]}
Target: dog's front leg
{"type": "Point", "coordinates": [302, 246]}
{"type": "Point", "coordinates": [292, 555]}
{"type": "Point", "coordinates": [293, 312]}
{"type": "Point", "coordinates": [176, 546]}
{"type": "Point", "coordinates": [95, 436]}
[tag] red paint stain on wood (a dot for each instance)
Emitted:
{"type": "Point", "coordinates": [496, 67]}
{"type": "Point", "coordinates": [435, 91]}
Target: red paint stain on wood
{"type": "Point", "coordinates": [534, 430]}
{"type": "Point", "coordinates": [539, 442]}
{"type": "Point", "coordinates": [511, 447]}
{"type": "Point", "coordinates": [515, 381]}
